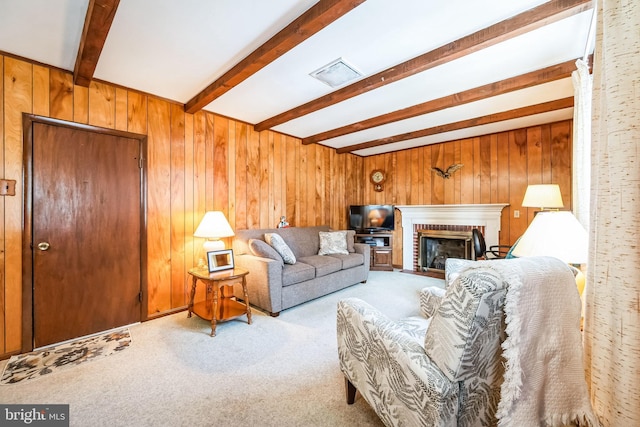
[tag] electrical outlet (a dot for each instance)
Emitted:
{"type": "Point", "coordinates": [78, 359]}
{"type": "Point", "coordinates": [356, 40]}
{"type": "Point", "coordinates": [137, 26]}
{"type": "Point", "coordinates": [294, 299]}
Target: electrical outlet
{"type": "Point", "coordinates": [516, 214]}
{"type": "Point", "coordinates": [7, 187]}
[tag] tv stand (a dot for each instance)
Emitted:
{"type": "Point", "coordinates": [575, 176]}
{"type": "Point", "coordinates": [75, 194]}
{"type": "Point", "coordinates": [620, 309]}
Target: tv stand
{"type": "Point", "coordinates": [381, 243]}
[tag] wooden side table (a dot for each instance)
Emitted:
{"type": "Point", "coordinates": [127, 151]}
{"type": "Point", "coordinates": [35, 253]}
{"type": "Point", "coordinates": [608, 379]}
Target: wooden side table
{"type": "Point", "coordinates": [223, 308]}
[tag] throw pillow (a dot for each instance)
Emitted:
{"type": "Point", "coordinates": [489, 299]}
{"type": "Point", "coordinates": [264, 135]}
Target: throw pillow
{"type": "Point", "coordinates": [467, 319]}
{"type": "Point", "coordinates": [278, 243]}
{"type": "Point", "coordinates": [455, 266]}
{"type": "Point", "coordinates": [430, 300]}
{"type": "Point", "coordinates": [333, 242]}
{"type": "Point", "coordinates": [262, 249]}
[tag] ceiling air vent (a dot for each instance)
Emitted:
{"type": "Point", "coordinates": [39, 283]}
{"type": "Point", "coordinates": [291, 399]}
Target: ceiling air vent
{"type": "Point", "coordinates": [336, 73]}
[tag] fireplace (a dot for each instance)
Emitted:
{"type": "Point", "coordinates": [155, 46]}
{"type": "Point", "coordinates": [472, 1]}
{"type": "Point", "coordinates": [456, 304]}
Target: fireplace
{"type": "Point", "coordinates": [459, 218]}
{"type": "Point", "coordinates": [435, 246]}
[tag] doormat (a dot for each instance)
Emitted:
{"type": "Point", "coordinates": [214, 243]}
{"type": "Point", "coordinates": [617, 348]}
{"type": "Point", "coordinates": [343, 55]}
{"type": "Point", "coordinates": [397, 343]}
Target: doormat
{"type": "Point", "coordinates": [48, 360]}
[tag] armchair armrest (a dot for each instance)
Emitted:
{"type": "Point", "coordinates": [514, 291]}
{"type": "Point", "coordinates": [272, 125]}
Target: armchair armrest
{"type": "Point", "coordinates": [391, 370]}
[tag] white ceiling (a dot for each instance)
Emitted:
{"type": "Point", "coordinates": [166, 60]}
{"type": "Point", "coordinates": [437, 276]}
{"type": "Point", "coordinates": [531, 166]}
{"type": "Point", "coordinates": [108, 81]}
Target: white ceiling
{"type": "Point", "coordinates": [176, 48]}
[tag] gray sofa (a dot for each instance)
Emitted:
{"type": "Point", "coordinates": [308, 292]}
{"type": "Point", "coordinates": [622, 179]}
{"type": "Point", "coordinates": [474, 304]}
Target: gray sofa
{"type": "Point", "coordinates": [274, 285]}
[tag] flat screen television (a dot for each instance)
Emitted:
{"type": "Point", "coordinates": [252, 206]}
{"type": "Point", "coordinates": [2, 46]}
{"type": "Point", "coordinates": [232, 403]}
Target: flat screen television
{"type": "Point", "coordinates": [371, 218]}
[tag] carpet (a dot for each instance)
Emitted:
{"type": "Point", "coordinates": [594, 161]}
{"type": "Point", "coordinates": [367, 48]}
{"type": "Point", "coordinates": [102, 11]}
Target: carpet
{"type": "Point", "coordinates": [49, 360]}
{"type": "Point", "coordinates": [278, 371]}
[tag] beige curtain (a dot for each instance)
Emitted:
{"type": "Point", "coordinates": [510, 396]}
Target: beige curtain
{"type": "Point", "coordinates": [582, 90]}
{"type": "Point", "coordinates": [612, 318]}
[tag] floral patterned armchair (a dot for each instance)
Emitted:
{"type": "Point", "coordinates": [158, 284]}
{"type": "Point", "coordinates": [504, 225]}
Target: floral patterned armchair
{"type": "Point", "coordinates": [445, 370]}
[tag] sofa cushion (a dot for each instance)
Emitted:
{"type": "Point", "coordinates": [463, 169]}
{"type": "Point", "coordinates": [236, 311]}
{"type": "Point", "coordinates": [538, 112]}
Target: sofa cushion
{"type": "Point", "coordinates": [349, 260]}
{"type": "Point", "coordinates": [281, 247]}
{"type": "Point", "coordinates": [333, 242]}
{"type": "Point", "coordinates": [263, 249]}
{"type": "Point", "coordinates": [296, 273]}
{"type": "Point", "coordinates": [470, 312]}
{"type": "Point", "coordinates": [323, 264]}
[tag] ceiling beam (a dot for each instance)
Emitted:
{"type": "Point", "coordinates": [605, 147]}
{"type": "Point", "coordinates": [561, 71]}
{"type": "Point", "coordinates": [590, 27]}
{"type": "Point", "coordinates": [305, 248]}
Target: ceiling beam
{"type": "Point", "coordinates": [97, 23]}
{"type": "Point", "coordinates": [306, 25]}
{"type": "Point", "coordinates": [523, 81]}
{"type": "Point", "coordinates": [530, 20]}
{"type": "Point", "coordinates": [516, 113]}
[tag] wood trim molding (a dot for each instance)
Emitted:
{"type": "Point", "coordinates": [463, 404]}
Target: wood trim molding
{"type": "Point", "coordinates": [97, 23]}
{"type": "Point", "coordinates": [534, 78]}
{"type": "Point", "coordinates": [530, 20]}
{"type": "Point", "coordinates": [306, 25]}
{"type": "Point", "coordinates": [530, 110]}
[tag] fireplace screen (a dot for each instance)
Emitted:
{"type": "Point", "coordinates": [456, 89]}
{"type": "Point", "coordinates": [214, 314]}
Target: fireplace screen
{"type": "Point", "coordinates": [435, 246]}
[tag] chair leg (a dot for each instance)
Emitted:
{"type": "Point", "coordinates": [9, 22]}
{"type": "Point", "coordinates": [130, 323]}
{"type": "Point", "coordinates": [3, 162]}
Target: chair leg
{"type": "Point", "coordinates": [351, 391]}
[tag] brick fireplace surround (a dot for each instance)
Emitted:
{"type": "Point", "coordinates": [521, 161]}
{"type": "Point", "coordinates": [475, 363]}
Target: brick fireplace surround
{"type": "Point", "coordinates": [486, 217]}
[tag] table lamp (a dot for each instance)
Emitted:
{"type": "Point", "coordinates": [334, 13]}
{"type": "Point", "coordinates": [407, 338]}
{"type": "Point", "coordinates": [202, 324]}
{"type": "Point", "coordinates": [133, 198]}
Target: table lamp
{"type": "Point", "coordinates": [543, 196]}
{"type": "Point", "coordinates": [212, 228]}
{"type": "Point", "coordinates": [558, 234]}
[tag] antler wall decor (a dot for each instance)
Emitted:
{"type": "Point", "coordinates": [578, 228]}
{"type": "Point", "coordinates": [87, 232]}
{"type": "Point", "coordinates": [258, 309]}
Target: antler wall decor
{"type": "Point", "coordinates": [450, 170]}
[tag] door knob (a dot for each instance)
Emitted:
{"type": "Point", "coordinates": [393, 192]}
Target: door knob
{"type": "Point", "coordinates": [43, 246]}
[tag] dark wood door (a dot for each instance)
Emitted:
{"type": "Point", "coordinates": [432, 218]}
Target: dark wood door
{"type": "Point", "coordinates": [86, 232]}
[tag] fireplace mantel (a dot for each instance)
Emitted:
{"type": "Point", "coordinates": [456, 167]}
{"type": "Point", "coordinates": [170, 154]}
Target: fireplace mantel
{"type": "Point", "coordinates": [487, 215]}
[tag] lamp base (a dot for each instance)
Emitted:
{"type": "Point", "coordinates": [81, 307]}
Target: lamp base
{"type": "Point", "coordinates": [212, 245]}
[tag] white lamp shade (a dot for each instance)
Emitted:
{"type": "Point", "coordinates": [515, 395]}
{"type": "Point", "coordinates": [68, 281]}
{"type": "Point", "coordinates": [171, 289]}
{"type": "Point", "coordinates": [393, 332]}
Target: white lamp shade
{"type": "Point", "coordinates": [543, 196]}
{"type": "Point", "coordinates": [557, 234]}
{"type": "Point", "coordinates": [214, 225]}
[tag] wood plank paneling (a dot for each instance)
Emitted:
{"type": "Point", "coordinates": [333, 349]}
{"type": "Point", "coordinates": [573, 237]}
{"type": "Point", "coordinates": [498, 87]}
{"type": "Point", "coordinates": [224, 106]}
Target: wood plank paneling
{"type": "Point", "coordinates": [102, 105]}
{"type": "Point", "coordinates": [232, 178]}
{"type": "Point", "coordinates": [534, 164]}
{"type": "Point", "coordinates": [497, 169]}
{"type": "Point", "coordinates": [159, 206]}
{"type": "Point", "coordinates": [121, 109]}
{"type": "Point", "coordinates": [292, 183]}
{"type": "Point", "coordinates": [467, 177]}
{"type": "Point", "coordinates": [263, 179]}
{"type": "Point", "coordinates": [485, 169]}
{"type": "Point", "coordinates": [221, 165]}
{"type": "Point", "coordinates": [279, 184]}
{"type": "Point", "coordinates": [241, 177]}
{"type": "Point", "coordinates": [61, 95]}
{"type": "Point", "coordinates": [40, 90]}
{"type": "Point", "coordinates": [203, 161]}
{"type": "Point", "coordinates": [428, 177]}
{"type": "Point", "coordinates": [477, 170]}
{"type": "Point", "coordinates": [252, 191]}
{"type": "Point", "coordinates": [437, 183]}
{"type": "Point", "coordinates": [3, 304]}
{"type": "Point", "coordinates": [18, 98]}
{"type": "Point", "coordinates": [190, 220]}
{"type": "Point", "coordinates": [502, 171]}
{"type": "Point", "coordinates": [199, 177]}
{"type": "Point", "coordinates": [561, 158]}
{"type": "Point", "coordinates": [80, 104]}
{"type": "Point", "coordinates": [178, 207]}
{"type": "Point", "coordinates": [449, 185]}
{"type": "Point", "coordinates": [136, 113]}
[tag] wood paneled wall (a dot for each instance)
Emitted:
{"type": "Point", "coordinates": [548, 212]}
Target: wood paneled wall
{"type": "Point", "coordinates": [196, 162]}
{"type": "Point", "coordinates": [497, 169]}
{"type": "Point", "coordinates": [200, 162]}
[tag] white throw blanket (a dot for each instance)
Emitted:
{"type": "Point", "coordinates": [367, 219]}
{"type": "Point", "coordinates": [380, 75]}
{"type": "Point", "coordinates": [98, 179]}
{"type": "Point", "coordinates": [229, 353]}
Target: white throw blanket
{"type": "Point", "coordinates": [544, 382]}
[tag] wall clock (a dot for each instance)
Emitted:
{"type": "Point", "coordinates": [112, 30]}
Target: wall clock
{"type": "Point", "coordinates": [378, 177]}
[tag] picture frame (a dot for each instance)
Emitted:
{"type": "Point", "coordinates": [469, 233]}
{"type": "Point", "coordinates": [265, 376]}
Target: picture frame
{"type": "Point", "coordinates": [220, 260]}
